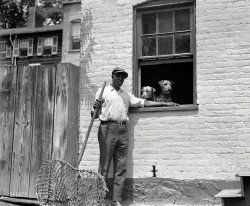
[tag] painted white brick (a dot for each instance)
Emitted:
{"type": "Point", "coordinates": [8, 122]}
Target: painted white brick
{"type": "Point", "coordinates": [211, 143]}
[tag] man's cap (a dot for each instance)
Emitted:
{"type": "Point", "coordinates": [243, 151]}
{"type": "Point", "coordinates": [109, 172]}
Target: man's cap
{"type": "Point", "coordinates": [119, 70]}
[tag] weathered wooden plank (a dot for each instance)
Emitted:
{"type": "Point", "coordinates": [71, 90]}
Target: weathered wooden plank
{"type": "Point", "coordinates": [22, 133]}
{"type": "Point", "coordinates": [7, 92]}
{"type": "Point", "coordinates": [65, 136]}
{"type": "Point", "coordinates": [9, 201]}
{"type": "Point", "coordinates": [43, 107]}
{"type": "Point", "coordinates": [73, 116]}
{"type": "Point", "coordinates": [45, 124]}
{"type": "Point", "coordinates": [7, 204]}
{"type": "Point", "coordinates": [61, 113]}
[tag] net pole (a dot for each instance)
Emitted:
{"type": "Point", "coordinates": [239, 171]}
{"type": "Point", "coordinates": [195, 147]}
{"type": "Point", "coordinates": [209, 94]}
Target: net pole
{"type": "Point", "coordinates": [90, 126]}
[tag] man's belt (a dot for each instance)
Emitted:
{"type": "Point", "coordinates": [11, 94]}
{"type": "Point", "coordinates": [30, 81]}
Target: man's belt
{"type": "Point", "coordinates": [120, 123]}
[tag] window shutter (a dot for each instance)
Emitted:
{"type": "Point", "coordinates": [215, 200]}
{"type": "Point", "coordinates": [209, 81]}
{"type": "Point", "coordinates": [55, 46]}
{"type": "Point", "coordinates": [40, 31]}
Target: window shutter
{"type": "Point", "coordinates": [30, 48]}
{"type": "Point", "coordinates": [8, 51]}
{"type": "Point", "coordinates": [39, 46]}
{"type": "Point", "coordinates": [16, 48]}
{"type": "Point", "coordinates": [55, 45]}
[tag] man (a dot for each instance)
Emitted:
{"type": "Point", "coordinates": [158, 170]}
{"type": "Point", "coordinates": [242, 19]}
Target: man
{"type": "Point", "coordinates": [113, 131]}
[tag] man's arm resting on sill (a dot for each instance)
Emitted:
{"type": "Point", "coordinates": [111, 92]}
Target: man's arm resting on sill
{"type": "Point", "coordinates": [159, 104]}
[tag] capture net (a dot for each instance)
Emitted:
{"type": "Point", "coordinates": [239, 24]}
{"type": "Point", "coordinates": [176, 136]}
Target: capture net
{"type": "Point", "coordinates": [59, 184]}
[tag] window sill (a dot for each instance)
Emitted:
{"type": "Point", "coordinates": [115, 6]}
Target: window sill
{"type": "Point", "coordinates": [184, 107]}
{"type": "Point", "coordinates": [74, 51]}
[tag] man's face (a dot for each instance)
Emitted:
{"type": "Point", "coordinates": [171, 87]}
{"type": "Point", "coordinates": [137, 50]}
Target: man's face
{"type": "Point", "coordinates": [118, 79]}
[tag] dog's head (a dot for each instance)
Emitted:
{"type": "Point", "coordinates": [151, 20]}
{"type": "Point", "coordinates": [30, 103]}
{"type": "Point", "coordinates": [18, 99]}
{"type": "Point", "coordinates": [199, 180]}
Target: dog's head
{"type": "Point", "coordinates": [166, 86]}
{"type": "Point", "coordinates": [148, 93]}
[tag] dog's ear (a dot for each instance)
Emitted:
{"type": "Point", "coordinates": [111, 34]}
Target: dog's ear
{"type": "Point", "coordinates": [161, 82]}
{"type": "Point", "coordinates": [153, 89]}
{"type": "Point", "coordinates": [171, 82]}
{"type": "Point", "coordinates": [142, 89]}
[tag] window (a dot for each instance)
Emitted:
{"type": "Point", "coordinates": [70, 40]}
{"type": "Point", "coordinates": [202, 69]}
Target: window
{"type": "Point", "coordinates": [47, 45]}
{"type": "Point", "coordinates": [25, 47]}
{"type": "Point", "coordinates": [165, 47]}
{"type": "Point", "coordinates": [75, 35]}
{"type": "Point", "coordinates": [5, 49]}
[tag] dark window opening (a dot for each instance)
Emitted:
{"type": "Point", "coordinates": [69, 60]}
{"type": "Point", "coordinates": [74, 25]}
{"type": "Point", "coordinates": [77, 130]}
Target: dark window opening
{"type": "Point", "coordinates": [47, 50]}
{"type": "Point", "coordinates": [23, 52]}
{"type": "Point", "coordinates": [75, 44]}
{"type": "Point", "coordinates": [180, 73]}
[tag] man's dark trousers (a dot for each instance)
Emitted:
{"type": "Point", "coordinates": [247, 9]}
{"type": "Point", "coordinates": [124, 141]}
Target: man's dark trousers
{"type": "Point", "coordinates": [113, 140]}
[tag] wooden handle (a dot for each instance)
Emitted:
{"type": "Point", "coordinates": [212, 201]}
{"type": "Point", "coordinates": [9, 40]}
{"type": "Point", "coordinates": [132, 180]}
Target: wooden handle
{"type": "Point", "coordinates": [90, 126]}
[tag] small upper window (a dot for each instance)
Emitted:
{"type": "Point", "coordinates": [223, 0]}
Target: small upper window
{"type": "Point", "coordinates": [75, 34]}
{"type": "Point", "coordinates": [5, 49]}
{"type": "Point", "coordinates": [47, 45]}
{"type": "Point", "coordinates": [25, 47]}
{"type": "Point", "coordinates": [165, 48]}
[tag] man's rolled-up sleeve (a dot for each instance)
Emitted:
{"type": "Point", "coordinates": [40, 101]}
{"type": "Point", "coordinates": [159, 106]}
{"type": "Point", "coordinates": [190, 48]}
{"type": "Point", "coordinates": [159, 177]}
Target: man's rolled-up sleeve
{"type": "Point", "coordinates": [136, 102]}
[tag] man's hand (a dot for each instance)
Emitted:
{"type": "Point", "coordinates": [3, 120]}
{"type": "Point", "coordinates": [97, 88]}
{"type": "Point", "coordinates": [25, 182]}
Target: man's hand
{"type": "Point", "coordinates": [169, 104]}
{"type": "Point", "coordinates": [97, 105]}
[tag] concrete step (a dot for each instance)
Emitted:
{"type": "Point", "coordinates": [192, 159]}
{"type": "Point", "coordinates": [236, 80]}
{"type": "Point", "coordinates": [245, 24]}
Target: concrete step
{"type": "Point", "coordinates": [128, 203]}
{"type": "Point", "coordinates": [229, 193]}
{"type": "Point", "coordinates": [237, 197]}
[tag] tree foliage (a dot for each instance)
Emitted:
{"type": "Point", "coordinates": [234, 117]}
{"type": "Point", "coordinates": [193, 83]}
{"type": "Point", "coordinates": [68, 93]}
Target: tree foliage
{"type": "Point", "coordinates": [14, 13]}
{"type": "Point", "coordinates": [49, 12]}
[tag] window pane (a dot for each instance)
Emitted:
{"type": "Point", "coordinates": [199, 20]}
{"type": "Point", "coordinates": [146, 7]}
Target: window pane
{"type": "Point", "coordinates": [165, 21]}
{"type": "Point", "coordinates": [3, 46]}
{"type": "Point", "coordinates": [182, 43]}
{"type": "Point", "coordinates": [148, 46]}
{"type": "Point", "coordinates": [24, 43]}
{"type": "Point", "coordinates": [182, 20]}
{"type": "Point", "coordinates": [76, 30]}
{"type": "Point", "coordinates": [165, 45]}
{"type": "Point", "coordinates": [24, 52]}
{"type": "Point", "coordinates": [76, 44]}
{"type": "Point", "coordinates": [48, 41]}
{"type": "Point", "coordinates": [148, 23]}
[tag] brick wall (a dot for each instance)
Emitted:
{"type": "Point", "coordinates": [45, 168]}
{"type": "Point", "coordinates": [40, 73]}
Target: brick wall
{"type": "Point", "coordinates": [72, 11]}
{"type": "Point", "coordinates": [211, 143]}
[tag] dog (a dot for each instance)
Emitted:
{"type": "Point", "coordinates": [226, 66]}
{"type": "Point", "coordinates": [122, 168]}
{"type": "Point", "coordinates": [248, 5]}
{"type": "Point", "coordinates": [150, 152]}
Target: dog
{"type": "Point", "coordinates": [148, 93]}
{"type": "Point", "coordinates": [166, 89]}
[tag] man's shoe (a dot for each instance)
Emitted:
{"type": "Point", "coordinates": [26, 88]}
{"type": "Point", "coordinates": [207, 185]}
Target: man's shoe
{"type": "Point", "coordinates": [116, 203]}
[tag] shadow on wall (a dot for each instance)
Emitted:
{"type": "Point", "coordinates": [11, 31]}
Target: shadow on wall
{"type": "Point", "coordinates": [87, 43]}
{"type": "Point", "coordinates": [134, 189]}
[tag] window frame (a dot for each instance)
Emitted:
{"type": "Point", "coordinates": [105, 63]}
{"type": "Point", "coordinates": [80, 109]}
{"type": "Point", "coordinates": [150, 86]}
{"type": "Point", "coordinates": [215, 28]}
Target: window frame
{"type": "Point", "coordinates": [158, 34]}
{"type": "Point", "coordinates": [4, 51]}
{"type": "Point", "coordinates": [139, 60]}
{"type": "Point", "coordinates": [7, 52]}
{"type": "Point", "coordinates": [75, 21]}
{"type": "Point", "coordinates": [41, 47]}
{"type": "Point", "coordinates": [28, 49]}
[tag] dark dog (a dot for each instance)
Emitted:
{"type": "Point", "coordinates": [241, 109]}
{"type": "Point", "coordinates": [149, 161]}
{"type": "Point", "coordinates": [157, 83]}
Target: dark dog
{"type": "Point", "coordinates": [148, 93]}
{"type": "Point", "coordinates": [166, 89]}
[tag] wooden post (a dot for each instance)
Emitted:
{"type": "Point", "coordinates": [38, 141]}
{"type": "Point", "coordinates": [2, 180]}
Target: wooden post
{"type": "Point", "coordinates": [7, 93]}
{"type": "Point", "coordinates": [66, 116]}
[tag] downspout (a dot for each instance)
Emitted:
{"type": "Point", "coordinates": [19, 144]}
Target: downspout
{"type": "Point", "coordinates": [13, 58]}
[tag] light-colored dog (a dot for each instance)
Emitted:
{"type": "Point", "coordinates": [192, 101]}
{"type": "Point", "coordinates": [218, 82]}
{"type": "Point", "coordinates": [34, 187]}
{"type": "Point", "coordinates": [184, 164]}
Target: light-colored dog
{"type": "Point", "coordinates": [166, 89]}
{"type": "Point", "coordinates": [148, 93]}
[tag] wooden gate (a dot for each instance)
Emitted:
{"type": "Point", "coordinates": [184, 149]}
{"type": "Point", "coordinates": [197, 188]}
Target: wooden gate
{"type": "Point", "coordinates": [38, 121]}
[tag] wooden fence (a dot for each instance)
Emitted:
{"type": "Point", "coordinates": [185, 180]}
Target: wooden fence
{"type": "Point", "coordinates": [38, 121]}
